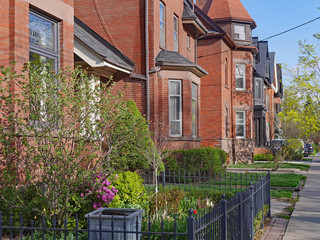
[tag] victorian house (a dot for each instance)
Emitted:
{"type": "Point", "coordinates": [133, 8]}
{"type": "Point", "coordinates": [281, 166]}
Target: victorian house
{"type": "Point", "coordinates": [268, 94]}
{"type": "Point", "coordinates": [160, 38]}
{"type": "Point", "coordinates": [227, 92]}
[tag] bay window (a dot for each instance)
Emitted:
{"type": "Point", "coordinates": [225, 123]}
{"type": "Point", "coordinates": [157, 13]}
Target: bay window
{"type": "Point", "coordinates": [240, 124]}
{"type": "Point", "coordinates": [194, 109]}
{"type": "Point", "coordinates": [175, 108]}
{"type": "Point", "coordinates": [240, 76]}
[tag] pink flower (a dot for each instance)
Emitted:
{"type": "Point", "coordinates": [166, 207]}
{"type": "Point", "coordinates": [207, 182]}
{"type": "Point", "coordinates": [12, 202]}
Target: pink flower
{"type": "Point", "coordinates": [82, 195]}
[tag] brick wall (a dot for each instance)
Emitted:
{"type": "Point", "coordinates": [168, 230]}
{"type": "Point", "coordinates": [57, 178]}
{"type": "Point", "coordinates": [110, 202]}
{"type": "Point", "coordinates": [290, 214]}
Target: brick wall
{"type": "Point", "coordinates": [14, 31]}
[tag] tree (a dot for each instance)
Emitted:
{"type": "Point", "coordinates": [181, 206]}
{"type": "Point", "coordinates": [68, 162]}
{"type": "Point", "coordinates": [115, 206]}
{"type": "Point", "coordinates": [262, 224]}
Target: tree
{"type": "Point", "coordinates": [302, 97]}
{"type": "Point", "coordinates": [59, 132]}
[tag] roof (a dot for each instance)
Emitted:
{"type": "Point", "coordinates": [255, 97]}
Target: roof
{"type": "Point", "coordinates": [175, 59]}
{"type": "Point", "coordinates": [204, 17]}
{"type": "Point", "coordinates": [188, 14]}
{"type": "Point", "coordinates": [221, 10]}
{"type": "Point", "coordinates": [279, 73]}
{"type": "Point", "coordinates": [272, 65]}
{"type": "Point", "coordinates": [262, 58]}
{"type": "Point", "coordinates": [100, 46]}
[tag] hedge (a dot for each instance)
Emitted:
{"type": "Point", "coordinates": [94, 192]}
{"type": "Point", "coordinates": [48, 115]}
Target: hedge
{"type": "Point", "coordinates": [199, 159]}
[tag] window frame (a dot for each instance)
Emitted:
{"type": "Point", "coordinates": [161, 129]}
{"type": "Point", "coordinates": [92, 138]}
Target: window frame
{"type": "Point", "coordinates": [175, 33]}
{"type": "Point", "coordinates": [258, 101]}
{"type": "Point", "coordinates": [188, 42]}
{"type": "Point", "coordinates": [53, 54]}
{"type": "Point", "coordinates": [237, 35]}
{"type": "Point", "coordinates": [180, 106]}
{"type": "Point", "coordinates": [244, 76]}
{"type": "Point", "coordinates": [194, 98]}
{"type": "Point", "coordinates": [162, 31]}
{"type": "Point", "coordinates": [241, 124]}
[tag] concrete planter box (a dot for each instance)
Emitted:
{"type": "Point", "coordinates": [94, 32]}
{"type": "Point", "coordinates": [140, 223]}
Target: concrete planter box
{"type": "Point", "coordinates": [121, 218]}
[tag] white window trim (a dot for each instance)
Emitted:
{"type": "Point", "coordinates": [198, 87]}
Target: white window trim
{"type": "Point", "coordinates": [244, 77]}
{"type": "Point", "coordinates": [244, 124]}
{"type": "Point", "coordinates": [180, 105]}
{"type": "Point", "coordinates": [196, 100]}
{"type": "Point", "coordinates": [243, 34]}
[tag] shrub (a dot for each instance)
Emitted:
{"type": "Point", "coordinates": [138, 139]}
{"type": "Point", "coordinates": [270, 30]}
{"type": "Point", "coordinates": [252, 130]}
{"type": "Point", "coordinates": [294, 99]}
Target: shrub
{"type": "Point", "coordinates": [131, 192]}
{"type": "Point", "coordinates": [166, 201]}
{"type": "Point", "coordinates": [129, 156]}
{"type": "Point", "coordinates": [203, 159]}
{"type": "Point", "coordinates": [264, 157]}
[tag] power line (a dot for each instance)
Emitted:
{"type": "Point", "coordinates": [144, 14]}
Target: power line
{"type": "Point", "coordinates": [272, 36]}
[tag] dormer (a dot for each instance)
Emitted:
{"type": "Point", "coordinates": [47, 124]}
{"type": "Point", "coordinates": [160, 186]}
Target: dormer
{"type": "Point", "coordinates": [232, 17]}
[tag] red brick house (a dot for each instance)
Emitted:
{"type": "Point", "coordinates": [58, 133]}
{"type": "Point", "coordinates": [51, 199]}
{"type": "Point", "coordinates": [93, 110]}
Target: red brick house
{"type": "Point", "coordinates": [226, 52]}
{"type": "Point", "coordinates": [165, 83]}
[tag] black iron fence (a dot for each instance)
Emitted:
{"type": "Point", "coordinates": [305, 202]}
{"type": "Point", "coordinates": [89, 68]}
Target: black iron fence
{"type": "Point", "coordinates": [192, 180]}
{"type": "Point", "coordinates": [233, 218]}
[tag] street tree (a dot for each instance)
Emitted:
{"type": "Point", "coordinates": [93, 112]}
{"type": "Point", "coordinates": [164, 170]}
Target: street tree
{"type": "Point", "coordinates": [302, 96]}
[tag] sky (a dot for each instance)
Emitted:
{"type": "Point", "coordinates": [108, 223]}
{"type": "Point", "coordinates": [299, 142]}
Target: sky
{"type": "Point", "coordinates": [275, 16]}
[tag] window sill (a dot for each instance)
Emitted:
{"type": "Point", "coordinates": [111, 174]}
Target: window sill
{"type": "Point", "coordinates": [191, 139]}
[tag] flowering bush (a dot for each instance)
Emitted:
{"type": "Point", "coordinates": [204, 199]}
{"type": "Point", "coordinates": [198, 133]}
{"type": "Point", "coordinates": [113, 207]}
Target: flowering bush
{"type": "Point", "coordinates": [101, 192]}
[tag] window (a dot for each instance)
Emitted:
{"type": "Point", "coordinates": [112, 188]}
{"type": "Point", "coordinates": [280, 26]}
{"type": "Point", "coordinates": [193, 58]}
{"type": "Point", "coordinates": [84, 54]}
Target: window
{"type": "Point", "coordinates": [227, 122]}
{"type": "Point", "coordinates": [162, 25]}
{"type": "Point", "coordinates": [175, 32]}
{"type": "Point", "coordinates": [240, 32]}
{"type": "Point", "coordinates": [240, 124]}
{"type": "Point", "coordinates": [43, 50]}
{"type": "Point", "coordinates": [188, 42]}
{"type": "Point", "coordinates": [226, 72]}
{"type": "Point", "coordinates": [194, 109]}
{"type": "Point", "coordinates": [43, 40]}
{"type": "Point", "coordinates": [258, 91]}
{"type": "Point", "coordinates": [267, 67]}
{"type": "Point", "coordinates": [175, 108]}
{"type": "Point", "coordinates": [240, 76]}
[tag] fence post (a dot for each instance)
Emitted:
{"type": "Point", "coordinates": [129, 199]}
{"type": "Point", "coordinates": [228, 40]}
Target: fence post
{"type": "Point", "coordinates": [251, 211]}
{"type": "Point", "coordinates": [240, 216]}
{"type": "Point", "coordinates": [164, 178]}
{"type": "Point", "coordinates": [0, 225]}
{"type": "Point", "coordinates": [269, 193]}
{"type": "Point", "coordinates": [224, 224]}
{"type": "Point", "coordinates": [191, 227]}
{"type": "Point", "coordinates": [262, 194]}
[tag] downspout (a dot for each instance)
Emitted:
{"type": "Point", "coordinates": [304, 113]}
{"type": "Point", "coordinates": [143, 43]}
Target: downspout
{"type": "Point", "coordinates": [147, 58]}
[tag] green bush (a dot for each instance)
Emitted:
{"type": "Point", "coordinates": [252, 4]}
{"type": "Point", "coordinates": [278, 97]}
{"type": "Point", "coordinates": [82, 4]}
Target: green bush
{"type": "Point", "coordinates": [131, 192]}
{"type": "Point", "coordinates": [316, 148]}
{"type": "Point", "coordinates": [129, 156]}
{"type": "Point", "coordinates": [297, 157]}
{"type": "Point", "coordinates": [264, 157]}
{"type": "Point", "coordinates": [200, 159]}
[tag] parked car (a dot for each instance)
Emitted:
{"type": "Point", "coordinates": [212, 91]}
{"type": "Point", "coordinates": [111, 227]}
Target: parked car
{"type": "Point", "coordinates": [308, 149]}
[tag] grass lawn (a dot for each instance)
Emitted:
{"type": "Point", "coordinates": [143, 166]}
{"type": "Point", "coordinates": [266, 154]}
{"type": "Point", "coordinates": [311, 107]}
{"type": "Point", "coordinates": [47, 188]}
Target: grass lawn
{"type": "Point", "coordinates": [302, 167]}
{"type": "Point", "coordinates": [286, 179]}
{"type": "Point", "coordinates": [281, 194]}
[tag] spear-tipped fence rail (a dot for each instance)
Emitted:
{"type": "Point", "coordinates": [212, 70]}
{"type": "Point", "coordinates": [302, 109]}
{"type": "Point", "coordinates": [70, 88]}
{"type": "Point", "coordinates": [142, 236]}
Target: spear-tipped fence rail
{"type": "Point", "coordinates": [231, 219]}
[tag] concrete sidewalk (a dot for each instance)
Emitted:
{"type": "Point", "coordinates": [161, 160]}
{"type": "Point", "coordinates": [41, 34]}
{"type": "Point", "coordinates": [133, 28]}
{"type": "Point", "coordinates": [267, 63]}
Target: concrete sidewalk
{"type": "Point", "coordinates": [305, 219]}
